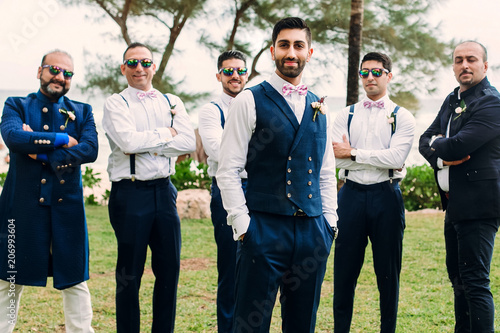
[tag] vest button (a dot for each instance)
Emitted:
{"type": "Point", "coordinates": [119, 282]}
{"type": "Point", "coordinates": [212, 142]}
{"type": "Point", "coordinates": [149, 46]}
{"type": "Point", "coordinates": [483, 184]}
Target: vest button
{"type": "Point", "coordinates": [35, 142]}
{"type": "Point", "coordinates": [41, 200]}
{"type": "Point", "coordinates": [45, 110]}
{"type": "Point", "coordinates": [289, 158]}
{"type": "Point", "coordinates": [43, 181]}
{"type": "Point", "coordinates": [46, 127]}
{"type": "Point", "coordinates": [289, 182]}
{"type": "Point", "coordinates": [310, 196]}
{"type": "Point", "coordinates": [62, 181]}
{"type": "Point", "coordinates": [310, 171]}
{"type": "Point", "coordinates": [310, 158]}
{"type": "Point", "coordinates": [289, 195]}
{"type": "Point", "coordinates": [309, 183]}
{"type": "Point", "coordinates": [289, 170]}
{"type": "Point", "coordinates": [59, 200]}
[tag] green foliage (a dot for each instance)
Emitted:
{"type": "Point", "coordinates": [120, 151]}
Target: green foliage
{"type": "Point", "coordinates": [3, 175]}
{"type": "Point", "coordinates": [419, 188]}
{"type": "Point", "coordinates": [187, 178]}
{"type": "Point", "coordinates": [91, 180]}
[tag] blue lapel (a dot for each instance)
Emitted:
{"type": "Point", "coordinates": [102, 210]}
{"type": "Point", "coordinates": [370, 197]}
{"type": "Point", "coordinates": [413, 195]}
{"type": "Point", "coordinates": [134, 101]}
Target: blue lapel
{"type": "Point", "coordinates": [280, 103]}
{"type": "Point", "coordinates": [306, 119]}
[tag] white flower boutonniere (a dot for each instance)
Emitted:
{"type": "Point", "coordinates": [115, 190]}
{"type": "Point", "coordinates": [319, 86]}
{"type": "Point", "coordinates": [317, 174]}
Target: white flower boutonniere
{"type": "Point", "coordinates": [70, 115]}
{"type": "Point", "coordinates": [319, 106]}
{"type": "Point", "coordinates": [390, 120]}
{"type": "Point", "coordinates": [460, 109]}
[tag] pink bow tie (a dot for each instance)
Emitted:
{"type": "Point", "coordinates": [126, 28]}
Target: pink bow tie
{"type": "Point", "coordinates": [289, 88]}
{"type": "Point", "coordinates": [369, 104]}
{"type": "Point", "coordinates": [141, 94]}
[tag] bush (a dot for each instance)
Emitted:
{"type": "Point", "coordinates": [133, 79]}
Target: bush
{"type": "Point", "coordinates": [191, 175]}
{"type": "Point", "coordinates": [419, 188]}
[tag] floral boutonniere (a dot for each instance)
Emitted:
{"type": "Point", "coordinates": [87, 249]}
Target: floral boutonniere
{"type": "Point", "coordinates": [319, 106]}
{"type": "Point", "coordinates": [391, 120]}
{"type": "Point", "coordinates": [460, 109]}
{"type": "Point", "coordinates": [70, 115]}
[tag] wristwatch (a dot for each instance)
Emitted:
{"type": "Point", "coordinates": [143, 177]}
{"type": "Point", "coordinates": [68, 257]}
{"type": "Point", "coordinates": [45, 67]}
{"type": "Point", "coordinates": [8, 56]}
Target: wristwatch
{"type": "Point", "coordinates": [353, 154]}
{"type": "Point", "coordinates": [335, 232]}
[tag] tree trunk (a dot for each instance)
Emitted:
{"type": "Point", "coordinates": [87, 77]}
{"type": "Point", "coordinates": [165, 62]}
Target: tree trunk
{"type": "Point", "coordinates": [355, 34]}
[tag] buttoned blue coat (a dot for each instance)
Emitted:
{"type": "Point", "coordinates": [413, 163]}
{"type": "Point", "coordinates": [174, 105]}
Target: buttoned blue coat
{"type": "Point", "coordinates": [43, 228]}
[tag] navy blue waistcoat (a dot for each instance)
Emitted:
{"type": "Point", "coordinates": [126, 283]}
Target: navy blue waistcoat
{"type": "Point", "coordinates": [284, 158]}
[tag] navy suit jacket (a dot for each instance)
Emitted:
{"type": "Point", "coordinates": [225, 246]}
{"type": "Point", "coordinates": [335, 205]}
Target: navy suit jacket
{"type": "Point", "coordinates": [41, 206]}
{"type": "Point", "coordinates": [475, 184]}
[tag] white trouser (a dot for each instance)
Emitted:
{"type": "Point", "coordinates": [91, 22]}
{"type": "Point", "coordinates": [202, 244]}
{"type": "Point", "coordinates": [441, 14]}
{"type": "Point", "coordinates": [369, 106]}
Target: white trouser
{"type": "Point", "coordinates": [76, 302]}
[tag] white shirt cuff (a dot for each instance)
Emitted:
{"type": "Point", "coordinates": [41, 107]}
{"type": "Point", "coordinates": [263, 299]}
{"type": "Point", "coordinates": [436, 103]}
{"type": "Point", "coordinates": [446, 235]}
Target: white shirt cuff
{"type": "Point", "coordinates": [164, 133]}
{"type": "Point", "coordinates": [239, 225]}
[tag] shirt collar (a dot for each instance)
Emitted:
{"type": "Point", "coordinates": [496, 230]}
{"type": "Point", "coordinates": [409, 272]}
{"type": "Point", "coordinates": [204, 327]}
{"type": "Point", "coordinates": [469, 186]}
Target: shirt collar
{"type": "Point", "coordinates": [134, 91]}
{"type": "Point", "coordinates": [226, 99]}
{"type": "Point", "coordinates": [277, 83]}
{"type": "Point", "coordinates": [44, 98]}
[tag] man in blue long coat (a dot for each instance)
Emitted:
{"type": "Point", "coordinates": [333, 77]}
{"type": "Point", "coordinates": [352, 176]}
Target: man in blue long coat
{"type": "Point", "coordinates": [43, 230]}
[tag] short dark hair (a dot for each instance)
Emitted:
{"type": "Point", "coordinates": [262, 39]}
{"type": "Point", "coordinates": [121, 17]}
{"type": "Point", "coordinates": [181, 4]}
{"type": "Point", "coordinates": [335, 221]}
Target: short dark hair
{"type": "Point", "coordinates": [485, 52]}
{"type": "Point", "coordinates": [56, 51]}
{"type": "Point", "coordinates": [292, 23]}
{"type": "Point", "coordinates": [230, 54]}
{"type": "Point", "coordinates": [134, 45]}
{"type": "Point", "coordinates": [380, 57]}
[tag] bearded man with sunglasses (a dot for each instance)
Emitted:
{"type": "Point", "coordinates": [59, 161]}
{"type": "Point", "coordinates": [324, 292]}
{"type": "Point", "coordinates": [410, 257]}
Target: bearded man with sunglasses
{"type": "Point", "coordinates": [372, 140]}
{"type": "Point", "coordinates": [146, 131]}
{"type": "Point", "coordinates": [43, 230]}
{"type": "Point", "coordinates": [233, 75]}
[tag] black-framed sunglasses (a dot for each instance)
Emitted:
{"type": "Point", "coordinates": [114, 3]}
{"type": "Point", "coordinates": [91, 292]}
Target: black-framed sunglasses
{"type": "Point", "coordinates": [55, 70]}
{"type": "Point", "coordinates": [376, 72]}
{"type": "Point", "coordinates": [229, 71]}
{"type": "Point", "coordinates": [132, 63]}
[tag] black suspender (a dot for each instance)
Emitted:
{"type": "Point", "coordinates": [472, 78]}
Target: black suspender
{"type": "Point", "coordinates": [132, 156]}
{"type": "Point", "coordinates": [393, 129]}
{"type": "Point", "coordinates": [222, 119]}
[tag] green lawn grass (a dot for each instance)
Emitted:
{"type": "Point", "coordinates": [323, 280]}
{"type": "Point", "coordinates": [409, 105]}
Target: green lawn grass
{"type": "Point", "coordinates": [426, 300]}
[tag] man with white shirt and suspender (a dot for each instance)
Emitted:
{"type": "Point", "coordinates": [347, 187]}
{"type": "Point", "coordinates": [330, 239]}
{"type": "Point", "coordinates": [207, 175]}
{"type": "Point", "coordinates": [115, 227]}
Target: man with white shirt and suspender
{"type": "Point", "coordinates": [146, 130]}
{"type": "Point", "coordinates": [372, 140]}
{"type": "Point", "coordinates": [233, 75]}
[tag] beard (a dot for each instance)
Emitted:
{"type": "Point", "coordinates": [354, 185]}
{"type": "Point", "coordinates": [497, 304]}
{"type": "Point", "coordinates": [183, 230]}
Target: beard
{"type": "Point", "coordinates": [53, 94]}
{"type": "Point", "coordinates": [287, 71]}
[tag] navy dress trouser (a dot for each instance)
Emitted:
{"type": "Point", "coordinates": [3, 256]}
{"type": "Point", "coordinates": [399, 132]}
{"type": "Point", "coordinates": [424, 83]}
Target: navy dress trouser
{"type": "Point", "coordinates": [284, 253]}
{"type": "Point", "coordinates": [226, 261]}
{"type": "Point", "coordinates": [374, 212]}
{"type": "Point", "coordinates": [144, 213]}
{"type": "Point", "coordinates": [469, 250]}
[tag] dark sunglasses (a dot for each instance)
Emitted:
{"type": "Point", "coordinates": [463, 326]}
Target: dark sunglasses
{"type": "Point", "coordinates": [132, 63]}
{"type": "Point", "coordinates": [376, 72]}
{"type": "Point", "coordinates": [228, 71]}
{"type": "Point", "coordinates": [55, 70]}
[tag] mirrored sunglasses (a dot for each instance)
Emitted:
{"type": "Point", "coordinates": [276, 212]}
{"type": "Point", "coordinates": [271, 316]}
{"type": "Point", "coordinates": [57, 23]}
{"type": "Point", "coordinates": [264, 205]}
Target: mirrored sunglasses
{"type": "Point", "coordinates": [55, 70]}
{"type": "Point", "coordinates": [229, 71]}
{"type": "Point", "coordinates": [376, 72]}
{"type": "Point", "coordinates": [132, 63]}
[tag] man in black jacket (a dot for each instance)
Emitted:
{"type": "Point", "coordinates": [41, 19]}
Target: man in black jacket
{"type": "Point", "coordinates": [463, 147]}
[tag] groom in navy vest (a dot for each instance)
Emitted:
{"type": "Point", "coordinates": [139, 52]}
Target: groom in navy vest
{"type": "Point", "coordinates": [286, 222]}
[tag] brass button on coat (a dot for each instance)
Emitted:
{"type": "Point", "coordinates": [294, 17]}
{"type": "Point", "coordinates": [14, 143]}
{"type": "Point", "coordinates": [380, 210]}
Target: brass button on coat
{"type": "Point", "coordinates": [41, 200]}
{"type": "Point", "coordinates": [310, 196]}
{"type": "Point", "coordinates": [45, 110]}
{"type": "Point", "coordinates": [46, 127]}
{"type": "Point", "coordinates": [43, 181]}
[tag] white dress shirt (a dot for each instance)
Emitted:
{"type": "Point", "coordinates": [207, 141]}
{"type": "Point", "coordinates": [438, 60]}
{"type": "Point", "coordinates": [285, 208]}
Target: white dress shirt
{"type": "Point", "coordinates": [238, 131]}
{"type": "Point", "coordinates": [142, 128]}
{"type": "Point", "coordinates": [377, 150]}
{"type": "Point", "coordinates": [210, 130]}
